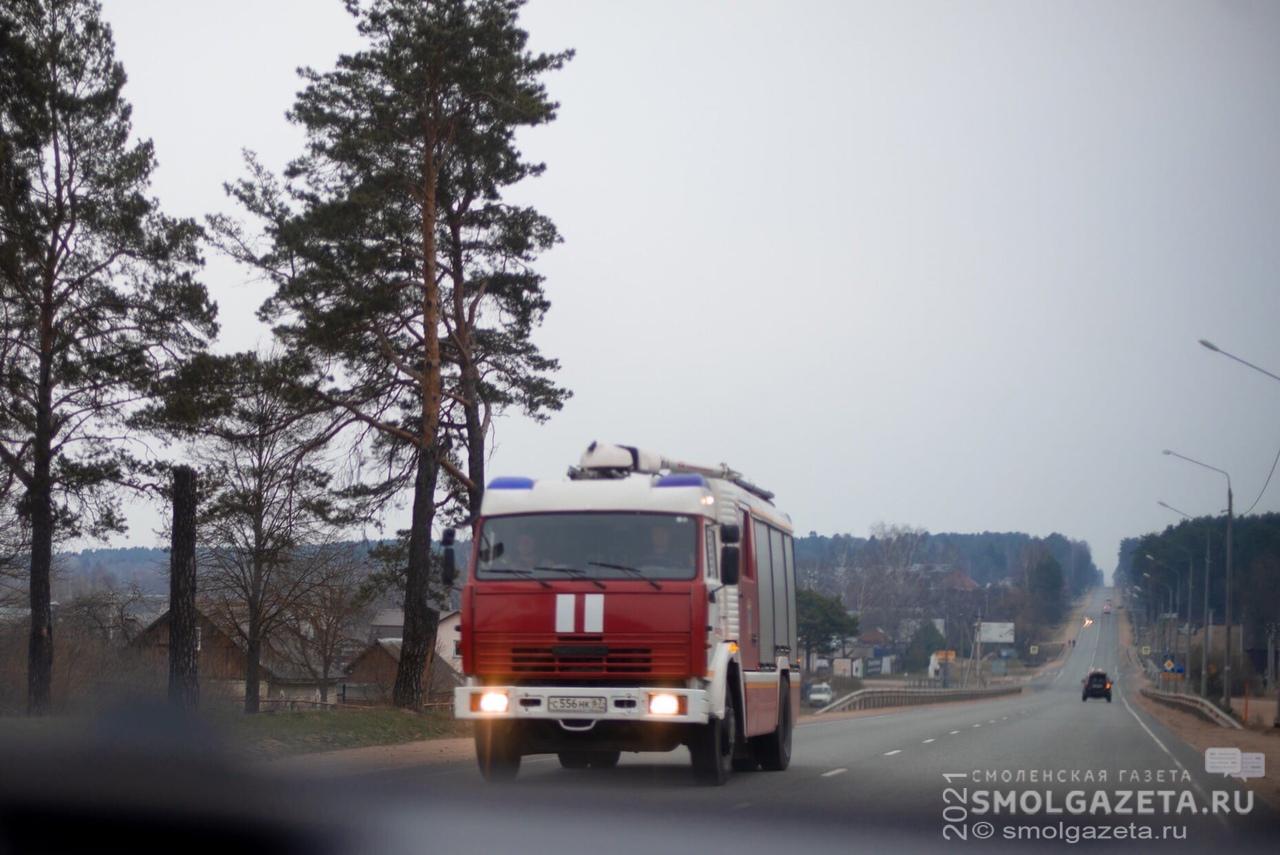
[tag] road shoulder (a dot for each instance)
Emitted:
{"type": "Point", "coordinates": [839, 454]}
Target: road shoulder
{"type": "Point", "coordinates": [1200, 734]}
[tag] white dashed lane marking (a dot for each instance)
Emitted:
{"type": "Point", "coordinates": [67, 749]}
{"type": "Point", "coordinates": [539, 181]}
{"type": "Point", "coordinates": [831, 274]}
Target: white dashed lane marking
{"type": "Point", "coordinates": [927, 741]}
{"type": "Point", "coordinates": [834, 772]}
{"type": "Point", "coordinates": [953, 733]}
{"type": "Point", "coordinates": [893, 752]}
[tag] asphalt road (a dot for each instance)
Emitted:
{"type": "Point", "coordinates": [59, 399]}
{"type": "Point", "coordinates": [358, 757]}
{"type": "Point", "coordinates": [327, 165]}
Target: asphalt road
{"type": "Point", "coordinates": [978, 775]}
{"type": "Point", "coordinates": [868, 782]}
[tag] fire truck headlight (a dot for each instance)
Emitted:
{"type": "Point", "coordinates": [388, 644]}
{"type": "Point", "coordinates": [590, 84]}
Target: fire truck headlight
{"type": "Point", "coordinates": [664, 704]}
{"type": "Point", "coordinates": [494, 702]}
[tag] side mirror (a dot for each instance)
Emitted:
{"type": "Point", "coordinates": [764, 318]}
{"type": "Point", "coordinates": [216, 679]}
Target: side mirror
{"type": "Point", "coordinates": [449, 567]}
{"type": "Point", "coordinates": [730, 533]}
{"type": "Point", "coordinates": [729, 558]}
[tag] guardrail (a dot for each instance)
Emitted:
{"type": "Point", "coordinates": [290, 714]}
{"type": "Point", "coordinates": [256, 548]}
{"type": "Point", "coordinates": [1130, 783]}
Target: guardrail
{"type": "Point", "coordinates": [1193, 704]}
{"type": "Point", "coordinates": [865, 699]}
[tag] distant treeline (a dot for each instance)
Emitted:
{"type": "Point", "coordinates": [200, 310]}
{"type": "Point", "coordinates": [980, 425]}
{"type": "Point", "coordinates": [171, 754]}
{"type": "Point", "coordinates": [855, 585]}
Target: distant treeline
{"type": "Point", "coordinates": [986, 557]}
{"type": "Point", "coordinates": [901, 579]}
{"type": "Point", "coordinates": [1157, 563]}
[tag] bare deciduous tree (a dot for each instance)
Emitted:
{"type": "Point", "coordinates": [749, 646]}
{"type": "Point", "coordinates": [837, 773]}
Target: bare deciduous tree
{"type": "Point", "coordinates": [329, 618]}
{"type": "Point", "coordinates": [268, 511]}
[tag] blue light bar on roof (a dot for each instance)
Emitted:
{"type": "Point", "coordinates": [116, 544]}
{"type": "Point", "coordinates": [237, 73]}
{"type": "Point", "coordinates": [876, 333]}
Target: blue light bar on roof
{"type": "Point", "coordinates": [511, 483]}
{"type": "Point", "coordinates": [682, 479]}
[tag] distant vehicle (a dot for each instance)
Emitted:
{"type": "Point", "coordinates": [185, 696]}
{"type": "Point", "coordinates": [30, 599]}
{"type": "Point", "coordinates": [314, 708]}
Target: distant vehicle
{"type": "Point", "coordinates": [1106, 609]}
{"type": "Point", "coordinates": [1097, 685]}
{"type": "Point", "coordinates": [820, 695]}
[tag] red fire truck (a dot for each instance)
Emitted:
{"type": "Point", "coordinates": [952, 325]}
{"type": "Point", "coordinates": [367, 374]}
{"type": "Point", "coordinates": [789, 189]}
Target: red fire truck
{"type": "Point", "coordinates": [640, 605]}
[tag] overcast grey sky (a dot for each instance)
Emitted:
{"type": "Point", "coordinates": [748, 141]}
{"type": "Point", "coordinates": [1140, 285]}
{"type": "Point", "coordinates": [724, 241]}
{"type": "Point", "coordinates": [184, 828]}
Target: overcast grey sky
{"type": "Point", "coordinates": [935, 263]}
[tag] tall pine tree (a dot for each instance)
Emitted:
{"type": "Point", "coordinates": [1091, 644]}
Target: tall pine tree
{"type": "Point", "coordinates": [98, 298]}
{"type": "Point", "coordinates": [356, 234]}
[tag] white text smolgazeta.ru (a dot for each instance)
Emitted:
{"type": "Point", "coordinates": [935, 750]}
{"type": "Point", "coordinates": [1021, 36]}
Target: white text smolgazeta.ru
{"type": "Point", "coordinates": [1101, 802]}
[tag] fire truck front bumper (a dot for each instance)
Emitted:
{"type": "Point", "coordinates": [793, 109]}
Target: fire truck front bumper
{"type": "Point", "coordinates": [582, 704]}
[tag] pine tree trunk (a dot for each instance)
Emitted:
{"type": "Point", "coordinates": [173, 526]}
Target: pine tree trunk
{"type": "Point", "coordinates": [475, 438]}
{"type": "Point", "coordinates": [184, 686]}
{"type": "Point", "coordinates": [420, 620]}
{"type": "Point", "coordinates": [40, 645]}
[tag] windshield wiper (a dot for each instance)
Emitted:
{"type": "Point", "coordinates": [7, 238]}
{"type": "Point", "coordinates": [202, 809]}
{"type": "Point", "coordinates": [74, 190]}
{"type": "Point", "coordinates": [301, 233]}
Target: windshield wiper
{"type": "Point", "coordinates": [516, 571]}
{"type": "Point", "coordinates": [574, 572]}
{"type": "Point", "coordinates": [631, 571]}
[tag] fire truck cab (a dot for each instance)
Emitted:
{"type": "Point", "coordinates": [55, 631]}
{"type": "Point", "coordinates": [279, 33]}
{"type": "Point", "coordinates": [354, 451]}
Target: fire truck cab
{"type": "Point", "coordinates": [640, 604]}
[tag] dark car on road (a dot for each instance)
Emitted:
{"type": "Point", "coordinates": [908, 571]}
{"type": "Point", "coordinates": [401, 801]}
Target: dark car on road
{"type": "Point", "coordinates": [1097, 685]}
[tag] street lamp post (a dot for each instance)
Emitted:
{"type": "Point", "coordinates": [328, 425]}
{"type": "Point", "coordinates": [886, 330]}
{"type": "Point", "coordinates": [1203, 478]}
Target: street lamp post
{"type": "Point", "coordinates": [1186, 660]}
{"type": "Point", "coordinates": [1160, 616]}
{"type": "Point", "coordinates": [1211, 346]}
{"type": "Point", "coordinates": [1226, 657]}
{"type": "Point", "coordinates": [1204, 615]}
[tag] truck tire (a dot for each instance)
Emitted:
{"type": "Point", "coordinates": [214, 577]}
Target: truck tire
{"type": "Point", "coordinates": [774, 750]}
{"type": "Point", "coordinates": [712, 747]}
{"type": "Point", "coordinates": [497, 751]}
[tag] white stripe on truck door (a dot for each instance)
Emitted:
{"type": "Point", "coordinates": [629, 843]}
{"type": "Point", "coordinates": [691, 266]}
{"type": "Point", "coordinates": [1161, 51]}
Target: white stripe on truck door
{"type": "Point", "coordinates": [593, 613]}
{"type": "Point", "coordinates": [564, 612]}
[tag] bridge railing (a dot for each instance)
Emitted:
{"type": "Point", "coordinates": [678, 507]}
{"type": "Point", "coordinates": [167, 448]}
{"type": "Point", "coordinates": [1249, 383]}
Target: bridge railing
{"type": "Point", "coordinates": [899, 696]}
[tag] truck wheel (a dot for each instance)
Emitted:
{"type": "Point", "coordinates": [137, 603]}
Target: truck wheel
{"type": "Point", "coordinates": [774, 750]}
{"type": "Point", "coordinates": [574, 759]}
{"type": "Point", "coordinates": [604, 759]}
{"type": "Point", "coordinates": [497, 751]}
{"type": "Point", "coordinates": [712, 746]}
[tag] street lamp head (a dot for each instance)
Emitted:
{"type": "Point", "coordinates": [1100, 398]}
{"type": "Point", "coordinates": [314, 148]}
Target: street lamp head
{"type": "Point", "coordinates": [1166, 451]}
{"type": "Point", "coordinates": [1204, 342]}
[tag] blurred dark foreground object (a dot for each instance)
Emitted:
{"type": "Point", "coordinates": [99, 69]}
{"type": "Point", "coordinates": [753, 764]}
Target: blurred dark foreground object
{"type": "Point", "coordinates": [144, 780]}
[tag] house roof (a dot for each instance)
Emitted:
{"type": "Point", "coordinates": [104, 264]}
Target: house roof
{"type": "Point", "coordinates": [443, 677]}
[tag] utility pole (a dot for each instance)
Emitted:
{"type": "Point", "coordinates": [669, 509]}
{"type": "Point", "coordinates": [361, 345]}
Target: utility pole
{"type": "Point", "coordinates": [1226, 667]}
{"type": "Point", "coordinates": [1208, 622]}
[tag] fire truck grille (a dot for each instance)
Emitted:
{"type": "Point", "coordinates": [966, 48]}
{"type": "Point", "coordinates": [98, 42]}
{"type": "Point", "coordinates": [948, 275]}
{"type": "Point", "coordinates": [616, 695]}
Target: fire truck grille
{"type": "Point", "coordinates": [583, 656]}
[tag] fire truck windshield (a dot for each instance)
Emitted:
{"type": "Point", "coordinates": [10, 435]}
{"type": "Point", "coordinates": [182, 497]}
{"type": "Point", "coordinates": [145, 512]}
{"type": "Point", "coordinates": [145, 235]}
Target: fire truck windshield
{"type": "Point", "coordinates": [588, 545]}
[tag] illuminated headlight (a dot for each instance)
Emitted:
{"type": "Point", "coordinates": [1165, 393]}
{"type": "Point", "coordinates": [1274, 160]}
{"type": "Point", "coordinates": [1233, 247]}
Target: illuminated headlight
{"type": "Point", "coordinates": [664, 704]}
{"type": "Point", "coordinates": [493, 702]}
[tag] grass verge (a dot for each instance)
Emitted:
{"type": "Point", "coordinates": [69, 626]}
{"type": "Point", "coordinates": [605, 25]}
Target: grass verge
{"type": "Point", "coordinates": [281, 734]}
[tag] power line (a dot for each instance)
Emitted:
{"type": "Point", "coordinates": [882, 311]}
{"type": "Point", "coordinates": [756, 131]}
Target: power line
{"type": "Point", "coordinates": [1264, 486]}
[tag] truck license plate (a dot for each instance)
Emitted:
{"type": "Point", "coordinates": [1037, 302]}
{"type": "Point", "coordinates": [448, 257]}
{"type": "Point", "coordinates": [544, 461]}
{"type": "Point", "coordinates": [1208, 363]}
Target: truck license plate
{"type": "Point", "coordinates": [576, 705]}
